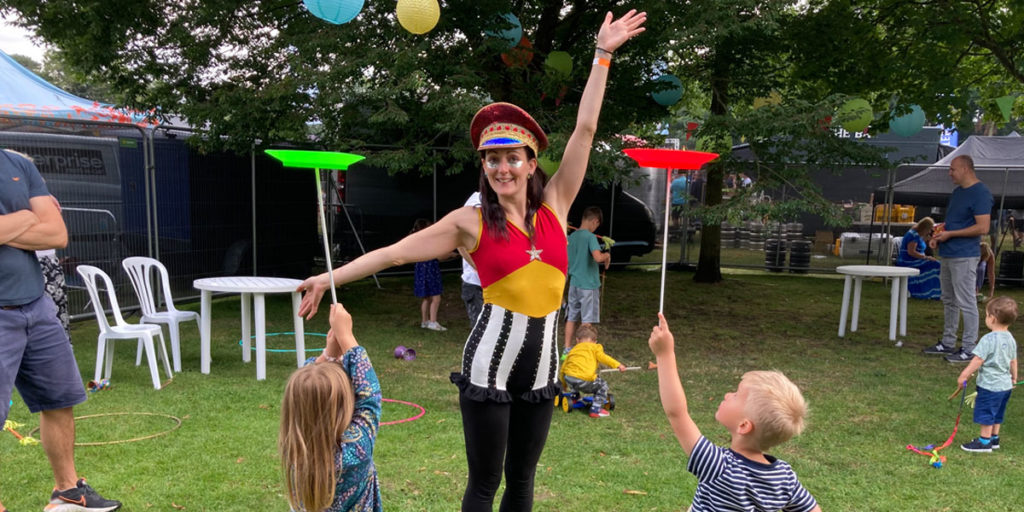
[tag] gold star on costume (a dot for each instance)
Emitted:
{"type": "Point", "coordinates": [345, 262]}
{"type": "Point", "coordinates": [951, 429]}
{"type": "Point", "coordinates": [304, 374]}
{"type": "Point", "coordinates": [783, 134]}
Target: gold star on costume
{"type": "Point", "coordinates": [534, 253]}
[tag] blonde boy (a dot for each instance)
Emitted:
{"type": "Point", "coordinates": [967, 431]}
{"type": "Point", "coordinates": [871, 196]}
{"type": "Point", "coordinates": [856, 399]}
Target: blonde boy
{"type": "Point", "coordinates": [995, 360]}
{"type": "Point", "coordinates": [766, 410]}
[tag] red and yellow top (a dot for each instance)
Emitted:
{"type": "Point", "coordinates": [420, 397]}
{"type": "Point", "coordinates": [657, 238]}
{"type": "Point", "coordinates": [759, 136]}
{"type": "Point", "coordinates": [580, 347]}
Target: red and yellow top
{"type": "Point", "coordinates": [520, 276]}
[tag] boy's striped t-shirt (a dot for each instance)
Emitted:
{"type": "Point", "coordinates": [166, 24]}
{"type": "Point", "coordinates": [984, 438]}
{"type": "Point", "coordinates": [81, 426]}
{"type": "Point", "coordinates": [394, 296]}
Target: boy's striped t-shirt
{"type": "Point", "coordinates": [727, 481]}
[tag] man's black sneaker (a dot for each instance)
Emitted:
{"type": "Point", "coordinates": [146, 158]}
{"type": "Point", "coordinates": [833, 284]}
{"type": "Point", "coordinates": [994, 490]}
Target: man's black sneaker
{"type": "Point", "coordinates": [80, 498]}
{"type": "Point", "coordinates": [976, 447]}
{"type": "Point", "coordinates": [960, 357]}
{"type": "Point", "coordinates": [937, 349]}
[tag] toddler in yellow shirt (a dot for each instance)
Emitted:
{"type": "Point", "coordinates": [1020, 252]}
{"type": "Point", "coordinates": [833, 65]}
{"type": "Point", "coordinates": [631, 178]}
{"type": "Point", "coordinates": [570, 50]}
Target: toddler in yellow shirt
{"type": "Point", "coordinates": [579, 371]}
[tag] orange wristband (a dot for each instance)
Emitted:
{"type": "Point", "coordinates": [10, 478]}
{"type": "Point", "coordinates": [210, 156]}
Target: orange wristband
{"type": "Point", "coordinates": [598, 61]}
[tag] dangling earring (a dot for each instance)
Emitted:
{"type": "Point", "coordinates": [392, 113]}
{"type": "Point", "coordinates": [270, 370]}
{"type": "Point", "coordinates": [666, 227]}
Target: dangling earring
{"type": "Point", "coordinates": [529, 176]}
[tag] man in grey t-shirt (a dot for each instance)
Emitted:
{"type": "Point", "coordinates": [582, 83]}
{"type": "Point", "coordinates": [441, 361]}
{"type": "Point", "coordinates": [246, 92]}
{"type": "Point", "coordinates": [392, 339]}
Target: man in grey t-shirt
{"type": "Point", "coordinates": [35, 354]}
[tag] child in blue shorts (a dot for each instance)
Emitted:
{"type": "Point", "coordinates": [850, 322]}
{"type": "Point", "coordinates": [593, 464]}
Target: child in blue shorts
{"type": "Point", "coordinates": [995, 360]}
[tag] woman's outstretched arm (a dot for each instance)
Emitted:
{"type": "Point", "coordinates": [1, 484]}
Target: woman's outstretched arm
{"type": "Point", "coordinates": [452, 231]}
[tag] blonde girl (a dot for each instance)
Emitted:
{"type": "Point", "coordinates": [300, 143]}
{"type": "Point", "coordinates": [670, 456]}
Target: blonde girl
{"type": "Point", "coordinates": [329, 418]}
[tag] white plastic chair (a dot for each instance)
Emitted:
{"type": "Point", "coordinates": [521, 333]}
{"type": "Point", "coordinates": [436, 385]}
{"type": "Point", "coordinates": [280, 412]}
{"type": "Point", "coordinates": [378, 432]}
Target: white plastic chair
{"type": "Point", "coordinates": [121, 330]}
{"type": "Point", "coordinates": [140, 270]}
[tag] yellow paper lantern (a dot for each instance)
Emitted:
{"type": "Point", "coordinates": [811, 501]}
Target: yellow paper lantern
{"type": "Point", "coordinates": [418, 16]}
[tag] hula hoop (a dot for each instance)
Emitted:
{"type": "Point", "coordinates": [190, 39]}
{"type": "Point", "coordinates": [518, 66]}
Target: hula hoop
{"type": "Point", "coordinates": [292, 333]}
{"type": "Point", "coordinates": [412, 418]}
{"type": "Point", "coordinates": [177, 424]}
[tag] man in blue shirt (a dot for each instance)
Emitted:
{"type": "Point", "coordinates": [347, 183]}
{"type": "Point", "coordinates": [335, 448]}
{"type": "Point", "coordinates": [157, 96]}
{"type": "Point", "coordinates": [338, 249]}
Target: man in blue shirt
{"type": "Point", "coordinates": [959, 245]}
{"type": "Point", "coordinates": [35, 354]}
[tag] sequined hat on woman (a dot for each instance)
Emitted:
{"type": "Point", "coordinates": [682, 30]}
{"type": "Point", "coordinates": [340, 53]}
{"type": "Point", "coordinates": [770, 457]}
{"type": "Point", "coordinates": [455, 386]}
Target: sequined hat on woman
{"type": "Point", "coordinates": [504, 125]}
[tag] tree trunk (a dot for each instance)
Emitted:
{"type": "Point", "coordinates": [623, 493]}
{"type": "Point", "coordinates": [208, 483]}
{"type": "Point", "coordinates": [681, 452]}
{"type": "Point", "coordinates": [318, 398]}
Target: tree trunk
{"type": "Point", "coordinates": [709, 265]}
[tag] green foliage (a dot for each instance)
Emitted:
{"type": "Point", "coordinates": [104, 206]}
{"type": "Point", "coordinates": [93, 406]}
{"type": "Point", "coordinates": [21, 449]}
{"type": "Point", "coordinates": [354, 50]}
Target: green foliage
{"type": "Point", "coordinates": [259, 73]}
{"type": "Point", "coordinates": [952, 58]}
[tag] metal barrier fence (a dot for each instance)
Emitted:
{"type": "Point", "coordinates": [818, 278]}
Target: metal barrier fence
{"type": "Point", "coordinates": [125, 192]}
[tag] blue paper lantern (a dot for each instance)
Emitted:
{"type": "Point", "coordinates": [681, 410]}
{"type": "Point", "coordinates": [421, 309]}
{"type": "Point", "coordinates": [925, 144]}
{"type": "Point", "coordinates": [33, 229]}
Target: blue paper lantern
{"type": "Point", "coordinates": [512, 34]}
{"type": "Point", "coordinates": [334, 11]}
{"type": "Point", "coordinates": [670, 90]}
{"type": "Point", "coordinates": [908, 124]}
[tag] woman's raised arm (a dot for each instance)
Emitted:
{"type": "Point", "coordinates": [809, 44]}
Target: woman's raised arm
{"type": "Point", "coordinates": [561, 190]}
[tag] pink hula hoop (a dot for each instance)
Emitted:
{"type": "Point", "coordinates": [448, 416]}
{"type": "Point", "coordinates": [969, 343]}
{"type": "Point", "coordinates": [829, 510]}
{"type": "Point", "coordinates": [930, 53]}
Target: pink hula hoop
{"type": "Point", "coordinates": [413, 418]}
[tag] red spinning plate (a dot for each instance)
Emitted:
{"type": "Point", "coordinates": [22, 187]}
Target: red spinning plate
{"type": "Point", "coordinates": [670, 158]}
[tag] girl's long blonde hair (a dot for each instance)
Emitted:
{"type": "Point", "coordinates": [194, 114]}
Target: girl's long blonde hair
{"type": "Point", "coordinates": [316, 409]}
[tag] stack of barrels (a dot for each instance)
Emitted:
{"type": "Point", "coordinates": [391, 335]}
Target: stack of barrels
{"type": "Point", "coordinates": [774, 239]}
{"type": "Point", "coordinates": [729, 236]}
{"type": "Point", "coordinates": [799, 256]}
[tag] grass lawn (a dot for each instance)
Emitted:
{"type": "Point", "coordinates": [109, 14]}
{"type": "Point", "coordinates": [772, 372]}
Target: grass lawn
{"type": "Point", "coordinates": [868, 401]}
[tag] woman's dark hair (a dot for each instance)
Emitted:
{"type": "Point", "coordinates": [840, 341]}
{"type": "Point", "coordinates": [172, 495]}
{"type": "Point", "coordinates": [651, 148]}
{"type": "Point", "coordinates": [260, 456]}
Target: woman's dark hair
{"type": "Point", "coordinates": [420, 223]}
{"type": "Point", "coordinates": [492, 212]}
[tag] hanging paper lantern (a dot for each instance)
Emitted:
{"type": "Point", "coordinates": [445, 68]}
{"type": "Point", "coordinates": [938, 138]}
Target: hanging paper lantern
{"type": "Point", "coordinates": [690, 128]}
{"type": "Point", "coordinates": [418, 16]}
{"type": "Point", "coordinates": [559, 64]}
{"type": "Point", "coordinates": [908, 124]}
{"type": "Point", "coordinates": [334, 11]}
{"type": "Point", "coordinates": [512, 34]}
{"type": "Point", "coordinates": [772, 99]}
{"type": "Point", "coordinates": [1005, 105]}
{"type": "Point", "coordinates": [670, 94]}
{"type": "Point", "coordinates": [520, 56]}
{"type": "Point", "coordinates": [855, 115]}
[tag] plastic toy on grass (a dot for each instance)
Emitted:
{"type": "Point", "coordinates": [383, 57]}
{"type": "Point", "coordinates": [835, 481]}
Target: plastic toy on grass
{"type": "Point", "coordinates": [572, 400]}
{"type": "Point", "coordinates": [402, 352]}
{"type": "Point", "coordinates": [931, 451]}
{"type": "Point", "coordinates": [94, 386]}
{"type": "Point", "coordinates": [10, 426]}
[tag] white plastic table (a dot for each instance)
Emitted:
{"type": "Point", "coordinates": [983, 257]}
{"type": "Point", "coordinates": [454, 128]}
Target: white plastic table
{"type": "Point", "coordinates": [897, 304]}
{"type": "Point", "coordinates": [256, 288]}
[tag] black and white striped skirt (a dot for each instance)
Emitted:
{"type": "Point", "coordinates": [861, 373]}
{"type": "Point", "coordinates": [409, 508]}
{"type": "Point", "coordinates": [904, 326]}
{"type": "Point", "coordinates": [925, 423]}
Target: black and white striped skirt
{"type": "Point", "coordinates": [508, 355]}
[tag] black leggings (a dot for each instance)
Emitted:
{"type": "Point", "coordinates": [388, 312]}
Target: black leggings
{"type": "Point", "coordinates": [512, 434]}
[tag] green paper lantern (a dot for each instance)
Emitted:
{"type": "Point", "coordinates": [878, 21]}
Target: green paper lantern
{"type": "Point", "coordinates": [908, 124]}
{"type": "Point", "coordinates": [1005, 105]}
{"type": "Point", "coordinates": [418, 16]}
{"type": "Point", "coordinates": [559, 64]}
{"type": "Point", "coordinates": [855, 115]}
{"type": "Point", "coordinates": [669, 90]}
{"type": "Point", "coordinates": [334, 11]}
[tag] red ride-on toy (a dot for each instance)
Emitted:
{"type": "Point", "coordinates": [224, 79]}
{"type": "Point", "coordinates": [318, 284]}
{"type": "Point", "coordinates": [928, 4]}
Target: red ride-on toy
{"type": "Point", "coordinates": [572, 400]}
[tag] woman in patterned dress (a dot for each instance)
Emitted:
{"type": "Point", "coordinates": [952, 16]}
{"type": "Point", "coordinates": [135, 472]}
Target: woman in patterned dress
{"type": "Point", "coordinates": [912, 254]}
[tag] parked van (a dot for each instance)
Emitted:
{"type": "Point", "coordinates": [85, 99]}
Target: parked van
{"type": "Point", "coordinates": [83, 174]}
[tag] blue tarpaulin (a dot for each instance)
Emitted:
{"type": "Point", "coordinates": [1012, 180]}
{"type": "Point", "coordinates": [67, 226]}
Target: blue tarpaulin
{"type": "Point", "coordinates": [23, 95]}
